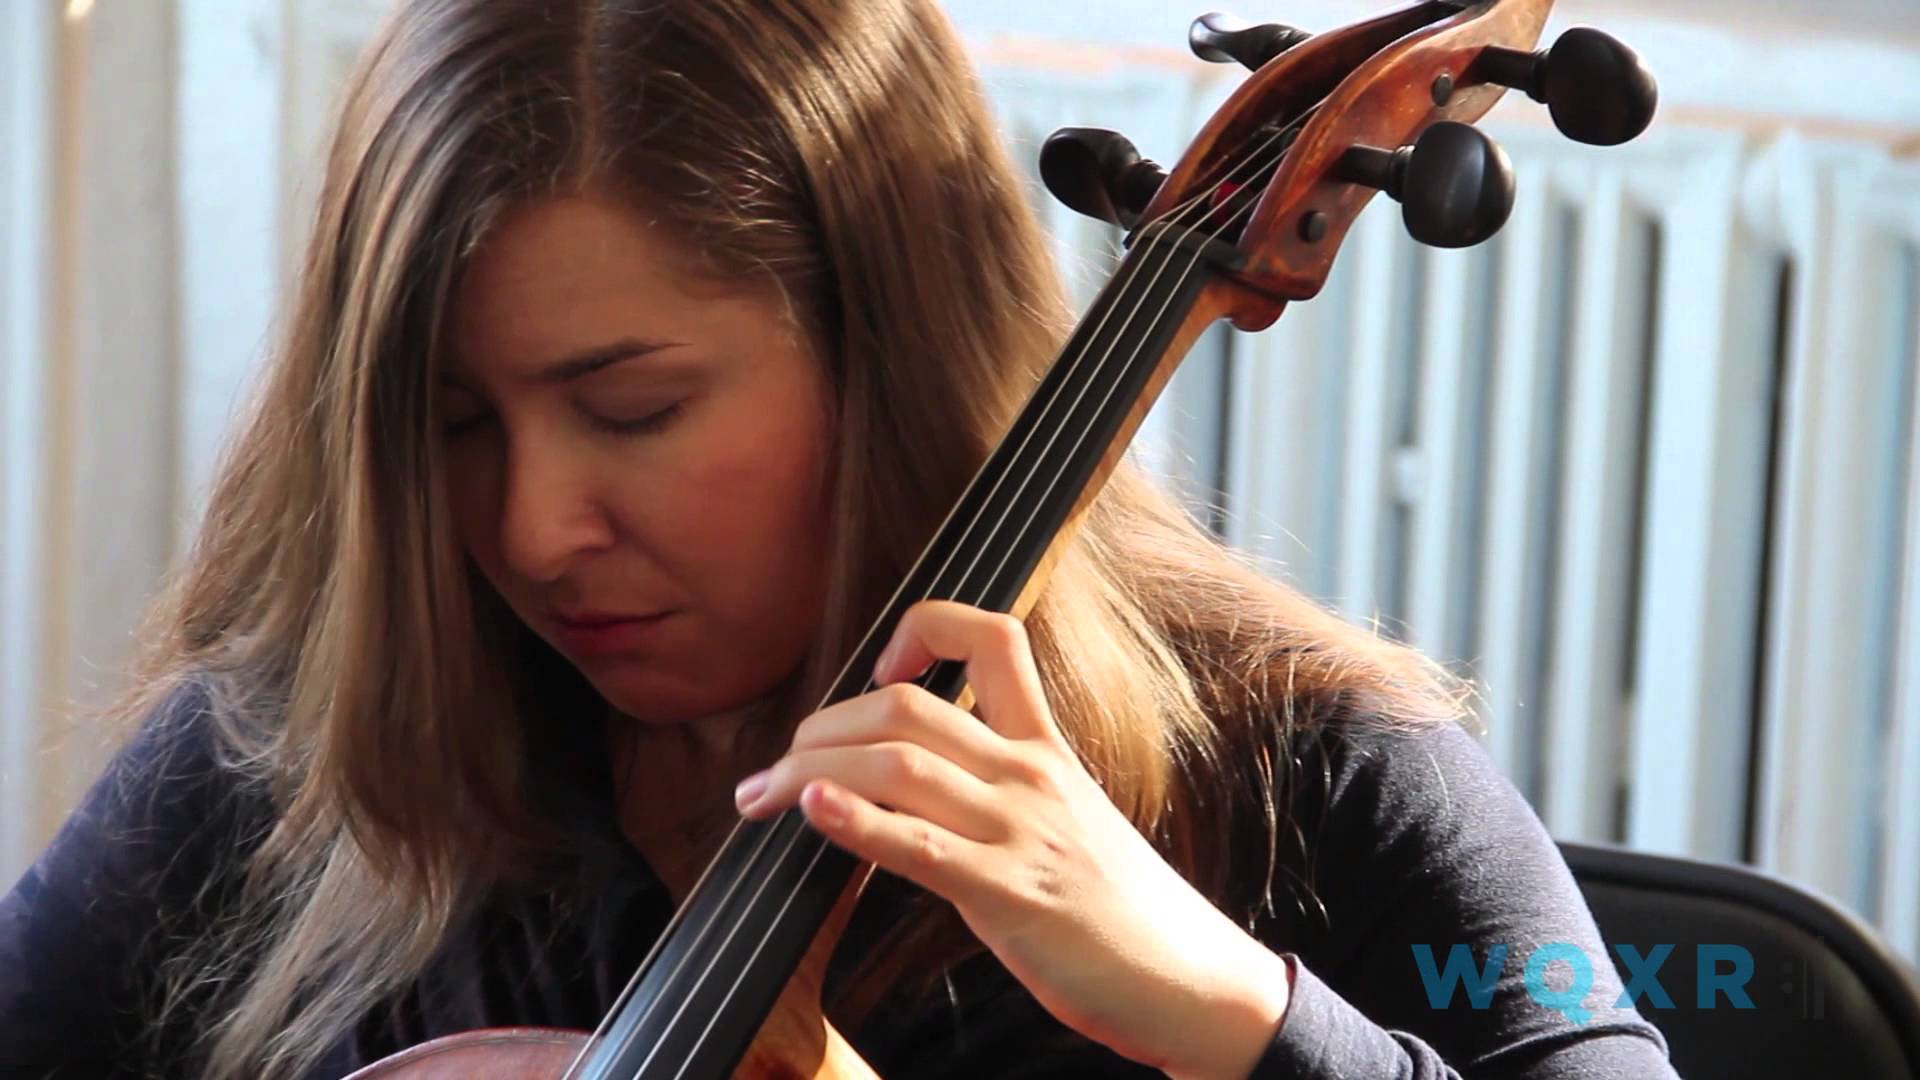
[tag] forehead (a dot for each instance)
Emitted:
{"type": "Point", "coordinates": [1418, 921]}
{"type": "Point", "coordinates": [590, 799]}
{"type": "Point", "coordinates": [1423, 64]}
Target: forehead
{"type": "Point", "coordinates": [557, 276]}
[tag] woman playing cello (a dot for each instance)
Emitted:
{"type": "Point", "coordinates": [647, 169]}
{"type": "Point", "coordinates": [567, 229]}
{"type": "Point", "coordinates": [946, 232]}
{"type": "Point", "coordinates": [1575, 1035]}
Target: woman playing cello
{"type": "Point", "coordinates": [638, 348]}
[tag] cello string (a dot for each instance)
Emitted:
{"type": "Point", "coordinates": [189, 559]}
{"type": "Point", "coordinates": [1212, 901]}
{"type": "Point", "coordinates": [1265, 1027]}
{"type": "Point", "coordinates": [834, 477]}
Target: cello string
{"type": "Point", "coordinates": [1253, 161]}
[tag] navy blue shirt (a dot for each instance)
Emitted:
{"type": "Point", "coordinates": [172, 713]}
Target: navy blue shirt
{"type": "Point", "coordinates": [1413, 842]}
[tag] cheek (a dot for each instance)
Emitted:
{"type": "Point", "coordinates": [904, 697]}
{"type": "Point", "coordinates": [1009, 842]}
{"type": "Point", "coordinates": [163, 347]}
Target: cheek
{"type": "Point", "coordinates": [761, 513]}
{"type": "Point", "coordinates": [773, 485]}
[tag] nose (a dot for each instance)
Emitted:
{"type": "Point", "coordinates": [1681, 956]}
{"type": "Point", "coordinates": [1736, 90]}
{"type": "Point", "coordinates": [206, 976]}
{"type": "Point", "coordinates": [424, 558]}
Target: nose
{"type": "Point", "coordinates": [550, 511]}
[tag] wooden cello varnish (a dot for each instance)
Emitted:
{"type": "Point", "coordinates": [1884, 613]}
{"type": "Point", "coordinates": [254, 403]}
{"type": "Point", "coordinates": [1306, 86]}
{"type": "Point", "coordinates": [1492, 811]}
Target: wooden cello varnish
{"type": "Point", "coordinates": [797, 1042]}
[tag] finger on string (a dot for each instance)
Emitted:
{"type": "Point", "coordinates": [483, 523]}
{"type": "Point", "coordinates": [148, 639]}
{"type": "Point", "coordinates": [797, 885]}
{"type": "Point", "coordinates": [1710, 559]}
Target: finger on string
{"type": "Point", "coordinates": [994, 647]}
{"type": "Point", "coordinates": [907, 712]}
{"type": "Point", "coordinates": [900, 776]}
{"type": "Point", "coordinates": [949, 865]}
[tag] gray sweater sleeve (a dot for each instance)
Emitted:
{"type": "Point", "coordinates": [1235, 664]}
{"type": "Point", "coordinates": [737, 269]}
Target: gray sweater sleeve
{"type": "Point", "coordinates": [1448, 938]}
{"type": "Point", "coordinates": [84, 934]}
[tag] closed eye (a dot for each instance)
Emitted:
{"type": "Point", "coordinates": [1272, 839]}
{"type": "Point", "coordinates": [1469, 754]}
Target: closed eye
{"type": "Point", "coordinates": [464, 409]}
{"type": "Point", "coordinates": [647, 424]}
{"type": "Point", "coordinates": [466, 425]}
{"type": "Point", "coordinates": [642, 425]}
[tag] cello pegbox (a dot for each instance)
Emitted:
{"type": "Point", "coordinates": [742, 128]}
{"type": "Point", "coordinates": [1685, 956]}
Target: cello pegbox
{"type": "Point", "coordinates": [1279, 144]}
{"type": "Point", "coordinates": [1387, 101]}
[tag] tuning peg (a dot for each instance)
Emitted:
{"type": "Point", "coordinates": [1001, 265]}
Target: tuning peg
{"type": "Point", "coordinates": [1454, 185]}
{"type": "Point", "coordinates": [1225, 39]}
{"type": "Point", "coordinates": [1100, 174]}
{"type": "Point", "coordinates": [1594, 86]}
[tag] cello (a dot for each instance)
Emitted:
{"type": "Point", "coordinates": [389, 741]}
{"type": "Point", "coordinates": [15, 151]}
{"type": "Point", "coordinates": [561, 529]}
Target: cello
{"type": "Point", "coordinates": [1249, 219]}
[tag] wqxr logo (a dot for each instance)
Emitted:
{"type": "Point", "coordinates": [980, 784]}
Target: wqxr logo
{"type": "Point", "coordinates": [1719, 971]}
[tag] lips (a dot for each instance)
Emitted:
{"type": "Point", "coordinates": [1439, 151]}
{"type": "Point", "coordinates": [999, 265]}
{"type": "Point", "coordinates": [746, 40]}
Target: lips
{"type": "Point", "coordinates": [598, 633]}
{"type": "Point", "coordinates": [589, 619]}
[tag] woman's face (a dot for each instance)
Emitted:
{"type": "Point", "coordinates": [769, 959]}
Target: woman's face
{"type": "Point", "coordinates": [636, 459]}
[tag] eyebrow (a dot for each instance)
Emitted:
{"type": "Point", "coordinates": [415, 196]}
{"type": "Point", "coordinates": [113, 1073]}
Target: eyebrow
{"type": "Point", "coordinates": [585, 362]}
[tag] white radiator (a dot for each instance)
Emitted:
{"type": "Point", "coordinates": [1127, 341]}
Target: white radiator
{"type": "Point", "coordinates": [1641, 466]}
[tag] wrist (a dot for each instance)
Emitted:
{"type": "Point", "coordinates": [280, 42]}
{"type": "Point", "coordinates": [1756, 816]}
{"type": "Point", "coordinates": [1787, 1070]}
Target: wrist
{"type": "Point", "coordinates": [1244, 1013]}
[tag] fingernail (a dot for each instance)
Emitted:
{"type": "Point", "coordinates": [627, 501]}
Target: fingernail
{"type": "Point", "coordinates": [750, 789]}
{"type": "Point", "coordinates": [886, 658]}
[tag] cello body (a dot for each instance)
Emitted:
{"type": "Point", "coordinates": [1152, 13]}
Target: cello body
{"type": "Point", "coordinates": [796, 1043]}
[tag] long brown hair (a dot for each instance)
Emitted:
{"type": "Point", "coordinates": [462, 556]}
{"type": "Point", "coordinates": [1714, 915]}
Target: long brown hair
{"type": "Point", "coordinates": [367, 680]}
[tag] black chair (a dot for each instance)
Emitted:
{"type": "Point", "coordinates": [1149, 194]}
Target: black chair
{"type": "Point", "coordinates": [1829, 998]}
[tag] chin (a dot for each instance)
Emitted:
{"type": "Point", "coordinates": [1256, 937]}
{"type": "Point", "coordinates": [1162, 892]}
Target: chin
{"type": "Point", "coordinates": [644, 697]}
{"type": "Point", "coordinates": [648, 707]}
{"type": "Point", "coordinates": [653, 692]}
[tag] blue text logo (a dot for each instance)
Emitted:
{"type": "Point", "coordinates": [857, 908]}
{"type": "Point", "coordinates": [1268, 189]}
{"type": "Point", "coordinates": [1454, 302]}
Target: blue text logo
{"type": "Point", "coordinates": [1720, 970]}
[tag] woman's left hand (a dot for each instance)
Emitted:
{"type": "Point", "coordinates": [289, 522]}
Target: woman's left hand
{"type": "Point", "coordinates": [1003, 820]}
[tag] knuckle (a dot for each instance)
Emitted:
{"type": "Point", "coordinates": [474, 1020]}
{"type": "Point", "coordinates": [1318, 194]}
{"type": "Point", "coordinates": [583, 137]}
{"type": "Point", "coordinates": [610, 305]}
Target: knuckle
{"type": "Point", "coordinates": [901, 705]}
{"type": "Point", "coordinates": [897, 697]}
{"type": "Point", "coordinates": [916, 611]}
{"type": "Point", "coordinates": [1032, 771]}
{"type": "Point", "coordinates": [903, 764]}
{"type": "Point", "coordinates": [925, 848]}
{"type": "Point", "coordinates": [785, 772]}
{"type": "Point", "coordinates": [804, 733]}
{"type": "Point", "coordinates": [1008, 633]}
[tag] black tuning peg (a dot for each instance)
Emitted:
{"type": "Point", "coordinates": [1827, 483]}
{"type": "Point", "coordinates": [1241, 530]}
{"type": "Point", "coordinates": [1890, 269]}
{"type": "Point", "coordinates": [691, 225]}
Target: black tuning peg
{"type": "Point", "coordinates": [1099, 173]}
{"type": "Point", "coordinates": [1593, 85]}
{"type": "Point", "coordinates": [1224, 39]}
{"type": "Point", "coordinates": [1454, 185]}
